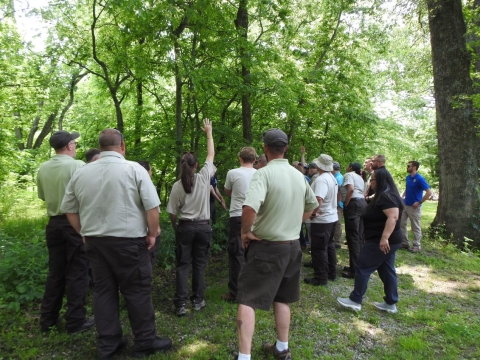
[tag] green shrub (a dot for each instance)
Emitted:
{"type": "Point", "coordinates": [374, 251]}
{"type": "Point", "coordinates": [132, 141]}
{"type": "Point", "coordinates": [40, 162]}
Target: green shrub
{"type": "Point", "coordinates": [23, 262]}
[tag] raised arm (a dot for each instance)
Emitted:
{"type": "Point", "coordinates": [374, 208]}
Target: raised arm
{"type": "Point", "coordinates": [207, 127]}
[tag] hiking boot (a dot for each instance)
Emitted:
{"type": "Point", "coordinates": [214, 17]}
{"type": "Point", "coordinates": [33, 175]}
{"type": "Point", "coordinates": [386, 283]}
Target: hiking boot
{"type": "Point", "coordinates": [272, 349]}
{"type": "Point", "coordinates": [392, 309]}
{"type": "Point", "coordinates": [346, 302]}
{"type": "Point", "coordinates": [346, 268]}
{"type": "Point", "coordinates": [160, 344]}
{"type": "Point", "coordinates": [405, 246]}
{"type": "Point", "coordinates": [199, 305]}
{"type": "Point", "coordinates": [308, 264]}
{"type": "Point", "coordinates": [348, 275]}
{"type": "Point", "coordinates": [229, 297]}
{"type": "Point", "coordinates": [315, 281]}
{"type": "Point", "coordinates": [181, 310]}
{"type": "Point", "coordinates": [87, 325]}
{"type": "Point", "coordinates": [415, 249]}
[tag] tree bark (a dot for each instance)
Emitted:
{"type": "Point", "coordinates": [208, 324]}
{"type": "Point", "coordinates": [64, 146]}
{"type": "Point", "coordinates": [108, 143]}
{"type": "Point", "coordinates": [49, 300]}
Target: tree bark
{"type": "Point", "coordinates": [241, 23]}
{"type": "Point", "coordinates": [458, 198]}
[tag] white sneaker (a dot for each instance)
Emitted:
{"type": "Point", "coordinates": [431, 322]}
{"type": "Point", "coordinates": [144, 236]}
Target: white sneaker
{"type": "Point", "coordinates": [392, 309]}
{"type": "Point", "coordinates": [349, 304]}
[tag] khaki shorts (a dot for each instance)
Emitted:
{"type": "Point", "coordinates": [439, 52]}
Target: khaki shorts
{"type": "Point", "coordinates": [271, 274]}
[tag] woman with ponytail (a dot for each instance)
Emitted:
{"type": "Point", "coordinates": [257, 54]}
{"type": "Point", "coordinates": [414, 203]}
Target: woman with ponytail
{"type": "Point", "coordinates": [190, 202]}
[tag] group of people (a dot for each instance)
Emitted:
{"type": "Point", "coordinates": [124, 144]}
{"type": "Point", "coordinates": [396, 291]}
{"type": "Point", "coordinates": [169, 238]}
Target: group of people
{"type": "Point", "coordinates": [108, 210]}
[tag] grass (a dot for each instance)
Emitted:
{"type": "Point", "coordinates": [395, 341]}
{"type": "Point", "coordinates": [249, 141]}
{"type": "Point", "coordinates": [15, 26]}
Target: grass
{"type": "Point", "coordinates": [438, 316]}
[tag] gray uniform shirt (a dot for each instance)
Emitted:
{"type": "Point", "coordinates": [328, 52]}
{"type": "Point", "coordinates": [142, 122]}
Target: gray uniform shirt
{"type": "Point", "coordinates": [196, 205]}
{"type": "Point", "coordinates": [111, 196]}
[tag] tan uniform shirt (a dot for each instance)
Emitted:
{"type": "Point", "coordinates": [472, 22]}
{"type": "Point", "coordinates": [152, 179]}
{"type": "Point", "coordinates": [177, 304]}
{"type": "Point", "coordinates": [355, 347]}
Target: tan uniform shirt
{"type": "Point", "coordinates": [280, 195]}
{"type": "Point", "coordinates": [196, 205]}
{"type": "Point", "coordinates": [111, 196]}
{"type": "Point", "coordinates": [52, 179]}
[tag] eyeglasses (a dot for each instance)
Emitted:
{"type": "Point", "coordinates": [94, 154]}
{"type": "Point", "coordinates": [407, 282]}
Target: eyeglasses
{"type": "Point", "coordinates": [374, 160]}
{"type": "Point", "coordinates": [73, 143]}
{"type": "Point", "coordinates": [372, 179]}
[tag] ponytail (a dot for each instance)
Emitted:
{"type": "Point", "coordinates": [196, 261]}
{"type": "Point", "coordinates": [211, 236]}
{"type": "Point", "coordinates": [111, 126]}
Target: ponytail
{"type": "Point", "coordinates": [187, 171]}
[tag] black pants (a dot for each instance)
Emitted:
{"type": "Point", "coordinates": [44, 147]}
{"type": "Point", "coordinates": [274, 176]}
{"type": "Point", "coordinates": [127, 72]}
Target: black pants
{"type": "Point", "coordinates": [324, 256]}
{"type": "Point", "coordinates": [121, 263]}
{"type": "Point", "coordinates": [192, 247]}
{"type": "Point", "coordinates": [354, 229]}
{"type": "Point", "coordinates": [236, 254]}
{"type": "Point", "coordinates": [67, 272]}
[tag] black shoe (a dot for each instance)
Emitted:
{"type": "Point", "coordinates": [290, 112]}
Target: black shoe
{"type": "Point", "coordinates": [161, 344]}
{"type": "Point", "coordinates": [331, 278]}
{"type": "Point", "coordinates": [405, 246]}
{"type": "Point", "coordinates": [315, 281]}
{"type": "Point", "coordinates": [308, 264]}
{"type": "Point", "coordinates": [348, 275]}
{"type": "Point", "coordinates": [87, 325]}
{"type": "Point", "coordinates": [122, 344]}
{"type": "Point", "coordinates": [346, 268]}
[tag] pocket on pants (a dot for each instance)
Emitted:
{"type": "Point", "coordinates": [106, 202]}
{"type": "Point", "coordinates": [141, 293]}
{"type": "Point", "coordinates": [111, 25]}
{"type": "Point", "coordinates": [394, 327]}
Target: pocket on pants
{"type": "Point", "coordinates": [265, 263]}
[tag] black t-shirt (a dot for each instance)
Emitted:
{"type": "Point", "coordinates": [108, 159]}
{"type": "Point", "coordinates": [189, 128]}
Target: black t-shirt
{"type": "Point", "coordinates": [374, 219]}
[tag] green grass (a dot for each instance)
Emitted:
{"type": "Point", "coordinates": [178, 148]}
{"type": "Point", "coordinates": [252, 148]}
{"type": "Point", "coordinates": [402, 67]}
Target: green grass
{"type": "Point", "coordinates": [438, 316]}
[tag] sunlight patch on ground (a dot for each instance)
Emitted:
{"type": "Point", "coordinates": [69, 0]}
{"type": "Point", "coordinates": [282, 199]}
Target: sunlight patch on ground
{"type": "Point", "coordinates": [195, 348]}
{"type": "Point", "coordinates": [427, 280]}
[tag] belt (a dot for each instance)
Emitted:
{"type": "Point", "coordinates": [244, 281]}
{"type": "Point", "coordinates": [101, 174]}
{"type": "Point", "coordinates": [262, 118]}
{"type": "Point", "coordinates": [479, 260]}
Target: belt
{"type": "Point", "coordinates": [58, 216]}
{"type": "Point", "coordinates": [273, 242]}
{"type": "Point", "coordinates": [356, 198]}
{"type": "Point", "coordinates": [198, 222]}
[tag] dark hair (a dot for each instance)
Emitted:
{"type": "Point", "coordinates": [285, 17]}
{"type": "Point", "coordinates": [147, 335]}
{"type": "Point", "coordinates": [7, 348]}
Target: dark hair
{"type": "Point", "coordinates": [187, 171]}
{"type": "Point", "coordinates": [277, 148]}
{"type": "Point", "coordinates": [90, 154]}
{"type": "Point", "coordinates": [145, 164]}
{"type": "Point", "coordinates": [385, 185]}
{"type": "Point", "coordinates": [415, 163]}
{"type": "Point", "coordinates": [355, 167]}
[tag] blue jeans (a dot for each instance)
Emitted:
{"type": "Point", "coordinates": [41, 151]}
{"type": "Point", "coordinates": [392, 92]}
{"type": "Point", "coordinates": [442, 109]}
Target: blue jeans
{"type": "Point", "coordinates": [371, 258]}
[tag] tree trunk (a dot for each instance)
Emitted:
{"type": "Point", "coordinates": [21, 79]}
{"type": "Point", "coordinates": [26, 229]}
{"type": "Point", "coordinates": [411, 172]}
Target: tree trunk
{"type": "Point", "coordinates": [241, 23]}
{"type": "Point", "coordinates": [458, 199]}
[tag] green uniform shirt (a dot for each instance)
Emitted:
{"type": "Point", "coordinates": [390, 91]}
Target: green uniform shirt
{"type": "Point", "coordinates": [52, 179]}
{"type": "Point", "coordinates": [280, 195]}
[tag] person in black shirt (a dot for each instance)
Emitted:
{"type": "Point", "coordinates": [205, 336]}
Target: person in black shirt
{"type": "Point", "coordinates": [383, 237]}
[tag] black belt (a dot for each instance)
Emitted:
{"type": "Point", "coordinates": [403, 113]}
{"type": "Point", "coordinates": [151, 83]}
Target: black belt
{"type": "Point", "coordinates": [273, 242]}
{"type": "Point", "coordinates": [356, 198]}
{"type": "Point", "coordinates": [198, 222]}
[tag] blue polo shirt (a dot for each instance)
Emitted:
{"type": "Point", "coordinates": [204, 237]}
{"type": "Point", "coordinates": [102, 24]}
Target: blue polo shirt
{"type": "Point", "coordinates": [416, 185]}
{"type": "Point", "coordinates": [339, 178]}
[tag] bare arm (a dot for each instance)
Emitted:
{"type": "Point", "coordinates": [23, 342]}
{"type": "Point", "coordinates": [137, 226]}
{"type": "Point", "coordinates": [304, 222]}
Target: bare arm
{"type": "Point", "coordinates": [317, 209]}
{"type": "Point", "coordinates": [207, 127]}
{"type": "Point", "coordinates": [428, 194]}
{"type": "Point", "coordinates": [392, 217]}
{"type": "Point", "coordinates": [221, 199]}
{"type": "Point", "coordinates": [302, 149]}
{"type": "Point", "coordinates": [173, 220]}
{"type": "Point", "coordinates": [153, 226]}
{"type": "Point", "coordinates": [248, 217]}
{"type": "Point", "coordinates": [74, 220]}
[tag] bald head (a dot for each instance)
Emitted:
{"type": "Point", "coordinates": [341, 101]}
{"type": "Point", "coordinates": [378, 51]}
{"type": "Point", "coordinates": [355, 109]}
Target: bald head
{"type": "Point", "coordinates": [110, 139]}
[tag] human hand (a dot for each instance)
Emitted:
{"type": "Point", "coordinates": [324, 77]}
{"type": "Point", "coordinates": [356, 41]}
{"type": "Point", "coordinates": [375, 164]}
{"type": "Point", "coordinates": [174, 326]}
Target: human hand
{"type": "Point", "coordinates": [224, 205]}
{"type": "Point", "coordinates": [247, 238]}
{"type": "Point", "coordinates": [416, 205]}
{"type": "Point", "coordinates": [207, 126]}
{"type": "Point", "coordinates": [302, 149]}
{"type": "Point", "coordinates": [384, 245]}
{"type": "Point", "coordinates": [150, 240]}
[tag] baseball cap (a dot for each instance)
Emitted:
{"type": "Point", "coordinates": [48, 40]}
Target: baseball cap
{"type": "Point", "coordinates": [273, 136]}
{"type": "Point", "coordinates": [61, 138]}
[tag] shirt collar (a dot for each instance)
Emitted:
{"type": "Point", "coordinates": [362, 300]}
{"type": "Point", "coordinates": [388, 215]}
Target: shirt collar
{"type": "Point", "coordinates": [111, 153]}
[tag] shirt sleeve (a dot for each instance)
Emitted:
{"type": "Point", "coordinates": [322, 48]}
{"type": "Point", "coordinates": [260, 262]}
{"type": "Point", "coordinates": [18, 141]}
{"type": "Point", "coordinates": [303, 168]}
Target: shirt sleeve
{"type": "Point", "coordinates": [146, 189]}
{"type": "Point", "coordinates": [320, 187]}
{"type": "Point", "coordinates": [348, 180]}
{"type": "Point", "coordinates": [207, 171]}
{"type": "Point", "coordinates": [310, 199]}
{"type": "Point", "coordinates": [228, 181]}
{"type": "Point", "coordinates": [70, 202]}
{"type": "Point", "coordinates": [422, 183]}
{"type": "Point", "coordinates": [41, 194]}
{"type": "Point", "coordinates": [256, 192]}
{"type": "Point", "coordinates": [386, 202]}
{"type": "Point", "coordinates": [173, 205]}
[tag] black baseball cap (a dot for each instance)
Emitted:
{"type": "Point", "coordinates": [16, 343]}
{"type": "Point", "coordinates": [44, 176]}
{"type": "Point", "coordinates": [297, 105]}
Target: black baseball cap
{"type": "Point", "coordinates": [61, 138]}
{"type": "Point", "coordinates": [274, 136]}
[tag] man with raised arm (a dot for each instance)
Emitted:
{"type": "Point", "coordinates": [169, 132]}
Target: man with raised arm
{"type": "Point", "coordinates": [113, 203]}
{"type": "Point", "coordinates": [279, 199]}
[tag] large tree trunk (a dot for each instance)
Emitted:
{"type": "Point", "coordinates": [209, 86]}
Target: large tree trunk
{"type": "Point", "coordinates": [458, 202]}
{"type": "Point", "coordinates": [241, 23]}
